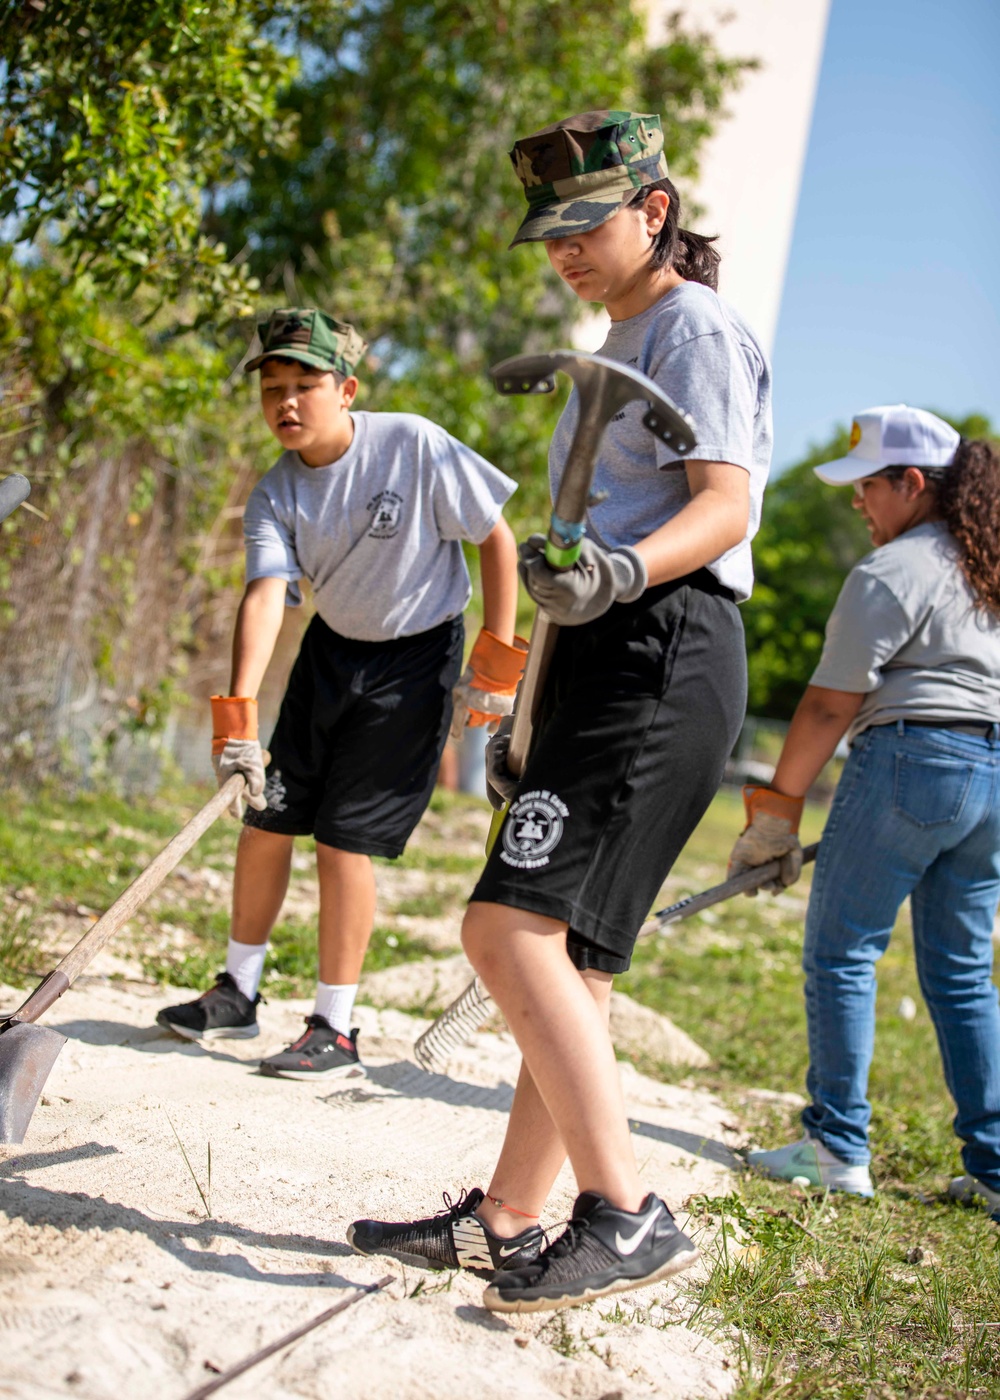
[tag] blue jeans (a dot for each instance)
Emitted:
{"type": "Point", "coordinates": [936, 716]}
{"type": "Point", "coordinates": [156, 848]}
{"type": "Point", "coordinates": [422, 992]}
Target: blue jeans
{"type": "Point", "coordinates": [916, 812]}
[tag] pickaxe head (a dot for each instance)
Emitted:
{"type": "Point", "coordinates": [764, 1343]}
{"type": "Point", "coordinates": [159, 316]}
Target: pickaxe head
{"type": "Point", "coordinates": [604, 387]}
{"type": "Point", "coordinates": [603, 382]}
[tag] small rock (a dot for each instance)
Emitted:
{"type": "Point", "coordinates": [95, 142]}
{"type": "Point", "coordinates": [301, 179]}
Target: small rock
{"type": "Point", "coordinates": [907, 1008]}
{"type": "Point", "coordinates": [926, 1258]}
{"type": "Point", "coordinates": [521, 1341]}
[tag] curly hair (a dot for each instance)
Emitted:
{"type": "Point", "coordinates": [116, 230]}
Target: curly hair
{"type": "Point", "coordinates": [968, 497]}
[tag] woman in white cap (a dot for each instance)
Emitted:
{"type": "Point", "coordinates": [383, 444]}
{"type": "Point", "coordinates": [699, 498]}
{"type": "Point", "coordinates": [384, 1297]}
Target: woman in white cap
{"type": "Point", "coordinates": [910, 672]}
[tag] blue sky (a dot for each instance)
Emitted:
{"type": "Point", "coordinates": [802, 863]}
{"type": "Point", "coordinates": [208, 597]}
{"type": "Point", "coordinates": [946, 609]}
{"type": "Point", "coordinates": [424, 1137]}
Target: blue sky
{"type": "Point", "coordinates": [893, 283]}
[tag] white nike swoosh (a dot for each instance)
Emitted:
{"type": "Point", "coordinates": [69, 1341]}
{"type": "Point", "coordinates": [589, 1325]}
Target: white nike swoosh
{"type": "Point", "coordinates": [630, 1245]}
{"type": "Point", "coordinates": [506, 1250]}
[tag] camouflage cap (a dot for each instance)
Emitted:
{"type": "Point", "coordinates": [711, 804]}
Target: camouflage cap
{"type": "Point", "coordinates": [578, 173]}
{"type": "Point", "coordinates": [313, 337]}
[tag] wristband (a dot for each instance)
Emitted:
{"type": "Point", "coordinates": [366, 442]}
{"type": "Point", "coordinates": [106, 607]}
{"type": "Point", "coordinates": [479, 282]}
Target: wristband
{"type": "Point", "coordinates": [495, 666]}
{"type": "Point", "coordinates": [233, 717]}
{"type": "Point", "coordinates": [776, 804]}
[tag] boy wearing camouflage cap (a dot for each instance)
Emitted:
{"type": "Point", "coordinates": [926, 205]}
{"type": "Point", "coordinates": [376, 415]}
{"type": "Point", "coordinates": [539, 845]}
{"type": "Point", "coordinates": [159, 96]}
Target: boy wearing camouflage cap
{"type": "Point", "coordinates": [644, 700]}
{"type": "Point", "coordinates": [371, 509]}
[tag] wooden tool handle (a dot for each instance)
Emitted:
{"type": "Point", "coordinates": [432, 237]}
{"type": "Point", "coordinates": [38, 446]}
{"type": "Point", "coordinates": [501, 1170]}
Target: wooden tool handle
{"type": "Point", "coordinates": [543, 640]}
{"type": "Point", "coordinates": [112, 920]}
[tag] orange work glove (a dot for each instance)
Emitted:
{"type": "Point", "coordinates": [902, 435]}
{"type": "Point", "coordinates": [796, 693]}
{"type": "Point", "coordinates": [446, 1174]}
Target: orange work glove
{"type": "Point", "coordinates": [485, 691]}
{"type": "Point", "coordinates": [771, 833]}
{"type": "Point", "coordinates": [236, 748]}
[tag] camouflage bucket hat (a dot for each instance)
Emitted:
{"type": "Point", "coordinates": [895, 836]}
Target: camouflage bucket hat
{"type": "Point", "coordinates": [310, 336]}
{"type": "Point", "coordinates": [578, 173]}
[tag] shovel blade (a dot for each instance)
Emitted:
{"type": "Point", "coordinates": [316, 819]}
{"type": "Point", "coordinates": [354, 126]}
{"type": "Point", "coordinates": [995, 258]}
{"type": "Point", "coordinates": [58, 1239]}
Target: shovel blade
{"type": "Point", "coordinates": [27, 1054]}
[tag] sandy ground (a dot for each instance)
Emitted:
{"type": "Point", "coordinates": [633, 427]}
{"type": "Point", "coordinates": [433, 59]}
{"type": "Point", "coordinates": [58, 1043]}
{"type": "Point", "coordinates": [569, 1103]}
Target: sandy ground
{"type": "Point", "coordinates": [118, 1280]}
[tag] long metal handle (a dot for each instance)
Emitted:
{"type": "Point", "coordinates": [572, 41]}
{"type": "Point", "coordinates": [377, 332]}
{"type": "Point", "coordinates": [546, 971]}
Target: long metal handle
{"type": "Point", "coordinates": [751, 879]}
{"type": "Point", "coordinates": [363, 1290]}
{"type": "Point", "coordinates": [113, 919]}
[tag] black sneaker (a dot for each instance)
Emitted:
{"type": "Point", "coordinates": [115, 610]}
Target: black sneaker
{"type": "Point", "coordinates": [455, 1238]}
{"type": "Point", "coordinates": [602, 1250]}
{"type": "Point", "coordinates": [321, 1053]}
{"type": "Point", "coordinates": [221, 1013]}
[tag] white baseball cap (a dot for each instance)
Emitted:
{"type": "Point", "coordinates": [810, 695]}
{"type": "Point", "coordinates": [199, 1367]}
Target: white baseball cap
{"type": "Point", "coordinates": [892, 436]}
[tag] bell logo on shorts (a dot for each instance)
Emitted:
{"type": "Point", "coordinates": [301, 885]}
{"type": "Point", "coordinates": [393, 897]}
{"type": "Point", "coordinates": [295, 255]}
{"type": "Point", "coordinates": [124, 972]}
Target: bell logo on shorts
{"type": "Point", "coordinates": [385, 510]}
{"type": "Point", "coordinates": [533, 829]}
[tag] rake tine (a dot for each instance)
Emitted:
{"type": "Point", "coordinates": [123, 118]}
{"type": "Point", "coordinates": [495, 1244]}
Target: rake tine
{"type": "Point", "coordinates": [454, 1027]}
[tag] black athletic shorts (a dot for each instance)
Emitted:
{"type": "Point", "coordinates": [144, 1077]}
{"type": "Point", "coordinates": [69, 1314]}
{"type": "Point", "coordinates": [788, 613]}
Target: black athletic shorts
{"type": "Point", "coordinates": [642, 709]}
{"type": "Point", "coordinates": [359, 737]}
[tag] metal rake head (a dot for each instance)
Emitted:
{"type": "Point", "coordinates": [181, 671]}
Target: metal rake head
{"type": "Point", "coordinates": [454, 1028]}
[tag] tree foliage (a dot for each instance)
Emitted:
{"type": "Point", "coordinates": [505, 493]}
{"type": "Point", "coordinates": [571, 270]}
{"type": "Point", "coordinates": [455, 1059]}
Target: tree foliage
{"type": "Point", "coordinates": [116, 117]}
{"type": "Point", "coordinates": [395, 203]}
{"type": "Point", "coordinates": [156, 160]}
{"type": "Point", "coordinates": [810, 538]}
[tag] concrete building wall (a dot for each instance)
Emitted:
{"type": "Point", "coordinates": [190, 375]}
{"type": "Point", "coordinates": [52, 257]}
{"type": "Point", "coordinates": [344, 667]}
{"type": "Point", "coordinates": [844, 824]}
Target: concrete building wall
{"type": "Point", "coordinates": [751, 169]}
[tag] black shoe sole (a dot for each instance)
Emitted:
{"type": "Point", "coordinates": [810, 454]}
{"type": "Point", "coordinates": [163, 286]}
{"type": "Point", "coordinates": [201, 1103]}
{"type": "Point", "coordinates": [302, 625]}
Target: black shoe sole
{"type": "Point", "coordinates": [535, 1300]}
{"type": "Point", "coordinates": [214, 1033]}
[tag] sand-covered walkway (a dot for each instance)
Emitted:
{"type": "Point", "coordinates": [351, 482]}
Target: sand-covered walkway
{"type": "Point", "coordinates": [118, 1280]}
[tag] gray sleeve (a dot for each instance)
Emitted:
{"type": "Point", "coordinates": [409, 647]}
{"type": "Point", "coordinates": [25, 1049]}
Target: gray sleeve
{"type": "Point", "coordinates": [270, 546]}
{"type": "Point", "coordinates": [708, 376]}
{"type": "Point", "coordinates": [469, 492]}
{"type": "Point", "coordinates": [865, 630]}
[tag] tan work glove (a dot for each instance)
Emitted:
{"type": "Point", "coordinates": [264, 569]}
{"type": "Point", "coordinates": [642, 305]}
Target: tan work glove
{"type": "Point", "coordinates": [485, 690]}
{"type": "Point", "coordinates": [771, 833]}
{"type": "Point", "coordinates": [236, 749]}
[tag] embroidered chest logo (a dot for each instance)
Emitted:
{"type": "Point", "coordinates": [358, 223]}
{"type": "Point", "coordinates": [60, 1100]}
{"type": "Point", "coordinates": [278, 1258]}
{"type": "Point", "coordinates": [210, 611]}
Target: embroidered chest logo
{"type": "Point", "coordinates": [533, 829]}
{"type": "Point", "coordinates": [385, 510]}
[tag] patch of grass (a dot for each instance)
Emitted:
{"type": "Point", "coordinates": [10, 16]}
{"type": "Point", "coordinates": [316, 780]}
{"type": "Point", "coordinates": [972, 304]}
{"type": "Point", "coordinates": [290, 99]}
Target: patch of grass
{"type": "Point", "coordinates": [20, 955]}
{"type": "Point", "coordinates": [828, 1305]}
{"type": "Point", "coordinates": [818, 1288]}
{"type": "Point", "coordinates": [430, 905]}
{"type": "Point", "coordinates": [292, 964]}
{"type": "Point", "coordinates": [86, 848]}
{"type": "Point", "coordinates": [447, 862]}
{"type": "Point", "coordinates": [58, 852]}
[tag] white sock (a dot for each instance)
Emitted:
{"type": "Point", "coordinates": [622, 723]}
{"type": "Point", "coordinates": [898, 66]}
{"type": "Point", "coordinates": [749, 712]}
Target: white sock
{"type": "Point", "coordinates": [245, 965]}
{"type": "Point", "coordinates": [335, 1004]}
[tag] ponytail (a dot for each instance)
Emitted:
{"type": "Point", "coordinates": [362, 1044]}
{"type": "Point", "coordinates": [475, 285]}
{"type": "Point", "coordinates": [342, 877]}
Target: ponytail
{"type": "Point", "coordinates": [691, 255]}
{"type": "Point", "coordinates": [968, 498]}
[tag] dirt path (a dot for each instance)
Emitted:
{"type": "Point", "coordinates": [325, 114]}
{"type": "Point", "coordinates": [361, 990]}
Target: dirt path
{"type": "Point", "coordinates": [118, 1280]}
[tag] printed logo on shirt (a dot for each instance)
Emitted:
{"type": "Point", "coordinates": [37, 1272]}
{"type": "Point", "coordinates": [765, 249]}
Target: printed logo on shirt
{"type": "Point", "coordinates": [533, 829]}
{"type": "Point", "coordinates": [385, 510]}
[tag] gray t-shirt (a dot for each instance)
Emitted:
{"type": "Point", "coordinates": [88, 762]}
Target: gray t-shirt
{"type": "Point", "coordinates": [906, 632]}
{"type": "Point", "coordinates": [378, 532]}
{"type": "Point", "coordinates": [707, 359]}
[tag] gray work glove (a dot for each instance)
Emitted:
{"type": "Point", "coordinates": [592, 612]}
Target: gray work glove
{"type": "Point", "coordinates": [501, 785]}
{"type": "Point", "coordinates": [597, 579]}
{"type": "Point", "coordinates": [772, 833]}
{"type": "Point", "coordinates": [242, 756]}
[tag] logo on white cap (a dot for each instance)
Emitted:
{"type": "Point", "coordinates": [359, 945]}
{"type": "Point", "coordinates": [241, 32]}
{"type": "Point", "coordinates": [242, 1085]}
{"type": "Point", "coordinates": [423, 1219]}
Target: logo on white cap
{"type": "Point", "coordinates": [892, 436]}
